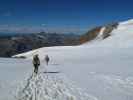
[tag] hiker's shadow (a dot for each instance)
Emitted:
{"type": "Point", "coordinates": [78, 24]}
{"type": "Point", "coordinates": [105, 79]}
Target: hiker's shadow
{"type": "Point", "coordinates": [52, 72]}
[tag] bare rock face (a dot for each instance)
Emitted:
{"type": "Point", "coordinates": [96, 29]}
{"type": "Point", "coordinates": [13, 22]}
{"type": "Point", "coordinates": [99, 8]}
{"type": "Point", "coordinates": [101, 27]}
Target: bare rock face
{"type": "Point", "coordinates": [90, 35]}
{"type": "Point", "coordinates": [94, 33]}
{"type": "Point", "coordinates": [108, 29]}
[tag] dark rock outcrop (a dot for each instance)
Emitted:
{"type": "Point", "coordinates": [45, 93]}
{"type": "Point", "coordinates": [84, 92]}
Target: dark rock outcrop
{"type": "Point", "coordinates": [93, 33]}
{"type": "Point", "coordinates": [108, 29]}
{"type": "Point", "coordinates": [90, 35]}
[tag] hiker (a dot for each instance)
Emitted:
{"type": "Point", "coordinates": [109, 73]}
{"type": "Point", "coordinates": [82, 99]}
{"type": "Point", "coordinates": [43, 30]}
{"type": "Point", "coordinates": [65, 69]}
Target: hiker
{"type": "Point", "coordinates": [36, 63]}
{"type": "Point", "coordinates": [47, 59]}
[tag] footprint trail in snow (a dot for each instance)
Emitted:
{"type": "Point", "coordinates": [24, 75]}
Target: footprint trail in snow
{"type": "Point", "coordinates": [50, 87]}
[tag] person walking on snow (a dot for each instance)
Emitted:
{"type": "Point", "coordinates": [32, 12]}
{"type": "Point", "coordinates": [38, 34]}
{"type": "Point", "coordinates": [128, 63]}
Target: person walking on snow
{"type": "Point", "coordinates": [36, 63]}
{"type": "Point", "coordinates": [47, 59]}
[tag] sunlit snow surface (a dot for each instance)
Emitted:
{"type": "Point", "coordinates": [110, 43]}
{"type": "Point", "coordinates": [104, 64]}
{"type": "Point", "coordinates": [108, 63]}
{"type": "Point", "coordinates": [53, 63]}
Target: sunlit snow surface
{"type": "Point", "coordinates": [98, 70]}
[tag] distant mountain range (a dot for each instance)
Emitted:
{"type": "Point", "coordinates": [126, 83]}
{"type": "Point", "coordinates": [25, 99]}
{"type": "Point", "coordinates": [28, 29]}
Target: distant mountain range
{"type": "Point", "coordinates": [11, 44]}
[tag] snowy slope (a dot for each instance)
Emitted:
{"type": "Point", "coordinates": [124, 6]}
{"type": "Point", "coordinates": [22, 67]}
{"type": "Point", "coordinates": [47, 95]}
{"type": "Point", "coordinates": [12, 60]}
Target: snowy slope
{"type": "Point", "coordinates": [105, 73]}
{"type": "Point", "coordinates": [103, 70]}
{"type": "Point", "coordinates": [122, 36]}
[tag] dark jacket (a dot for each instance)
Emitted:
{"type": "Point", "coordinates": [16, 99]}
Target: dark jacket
{"type": "Point", "coordinates": [47, 58]}
{"type": "Point", "coordinates": [36, 60]}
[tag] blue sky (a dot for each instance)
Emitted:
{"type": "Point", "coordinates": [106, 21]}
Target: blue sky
{"type": "Point", "coordinates": [75, 16]}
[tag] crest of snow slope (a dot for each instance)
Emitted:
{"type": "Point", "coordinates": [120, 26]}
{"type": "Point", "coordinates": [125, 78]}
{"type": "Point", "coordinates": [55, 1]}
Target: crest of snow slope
{"type": "Point", "coordinates": [122, 36]}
